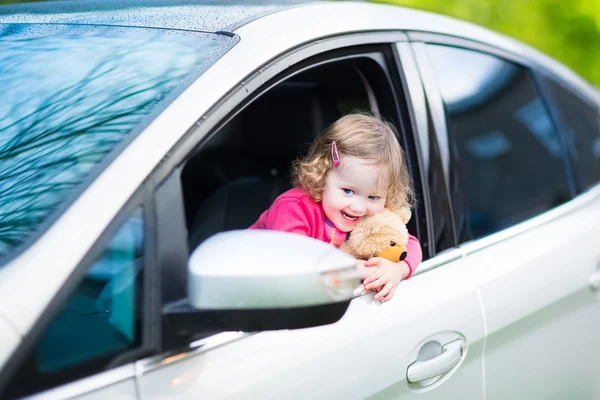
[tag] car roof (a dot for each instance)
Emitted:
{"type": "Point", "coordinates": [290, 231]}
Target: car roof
{"type": "Point", "coordinates": [190, 15]}
{"type": "Point", "coordinates": [231, 16]}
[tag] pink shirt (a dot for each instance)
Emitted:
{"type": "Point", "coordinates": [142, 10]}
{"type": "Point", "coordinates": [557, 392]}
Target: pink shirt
{"type": "Point", "coordinates": [295, 211]}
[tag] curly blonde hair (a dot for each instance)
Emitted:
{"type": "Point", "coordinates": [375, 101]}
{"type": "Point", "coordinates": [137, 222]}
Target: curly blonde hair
{"type": "Point", "coordinates": [362, 136]}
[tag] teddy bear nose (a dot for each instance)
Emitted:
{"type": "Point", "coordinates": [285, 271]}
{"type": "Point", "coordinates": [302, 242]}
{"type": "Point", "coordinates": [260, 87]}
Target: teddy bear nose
{"type": "Point", "coordinates": [403, 255]}
{"type": "Point", "coordinates": [392, 243]}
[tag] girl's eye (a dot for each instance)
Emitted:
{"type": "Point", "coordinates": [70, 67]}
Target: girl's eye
{"type": "Point", "coordinates": [348, 191]}
{"type": "Point", "coordinates": [374, 198]}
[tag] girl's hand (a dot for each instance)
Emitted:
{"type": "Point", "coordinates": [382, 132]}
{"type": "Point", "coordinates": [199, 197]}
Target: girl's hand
{"type": "Point", "coordinates": [363, 270]}
{"type": "Point", "coordinates": [385, 278]}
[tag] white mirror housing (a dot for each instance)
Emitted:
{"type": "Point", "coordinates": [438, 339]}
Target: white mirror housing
{"type": "Point", "coordinates": [263, 269]}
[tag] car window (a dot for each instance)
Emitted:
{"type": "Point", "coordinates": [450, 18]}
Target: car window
{"type": "Point", "coordinates": [580, 120]}
{"type": "Point", "coordinates": [70, 95]}
{"type": "Point", "coordinates": [100, 320]}
{"type": "Point", "coordinates": [508, 153]}
{"type": "Point", "coordinates": [264, 139]}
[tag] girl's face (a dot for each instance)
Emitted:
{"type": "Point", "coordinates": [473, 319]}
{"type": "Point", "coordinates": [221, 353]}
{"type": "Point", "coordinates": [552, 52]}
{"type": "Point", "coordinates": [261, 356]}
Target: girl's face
{"type": "Point", "coordinates": [353, 189]}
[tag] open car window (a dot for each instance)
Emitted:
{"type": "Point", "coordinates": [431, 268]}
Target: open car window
{"type": "Point", "coordinates": [246, 164]}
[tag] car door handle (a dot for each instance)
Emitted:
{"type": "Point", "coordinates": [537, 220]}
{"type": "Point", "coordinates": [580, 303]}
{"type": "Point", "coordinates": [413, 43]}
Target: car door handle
{"type": "Point", "coordinates": [450, 357]}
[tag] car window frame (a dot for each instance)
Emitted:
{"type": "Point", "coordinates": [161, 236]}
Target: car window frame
{"type": "Point", "coordinates": [115, 370]}
{"type": "Point", "coordinates": [428, 147]}
{"type": "Point", "coordinates": [291, 62]}
{"type": "Point", "coordinates": [423, 38]}
{"type": "Point", "coordinates": [374, 51]}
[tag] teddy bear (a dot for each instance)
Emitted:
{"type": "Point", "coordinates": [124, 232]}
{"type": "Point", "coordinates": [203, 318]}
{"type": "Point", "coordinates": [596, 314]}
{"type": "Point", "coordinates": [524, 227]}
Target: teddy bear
{"type": "Point", "coordinates": [381, 235]}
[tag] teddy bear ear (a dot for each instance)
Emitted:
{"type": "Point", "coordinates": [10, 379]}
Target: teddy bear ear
{"type": "Point", "coordinates": [405, 214]}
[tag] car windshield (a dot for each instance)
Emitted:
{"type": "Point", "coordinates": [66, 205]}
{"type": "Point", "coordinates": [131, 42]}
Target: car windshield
{"type": "Point", "coordinates": [71, 95]}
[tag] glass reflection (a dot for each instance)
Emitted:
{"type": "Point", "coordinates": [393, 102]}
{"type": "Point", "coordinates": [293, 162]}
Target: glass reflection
{"type": "Point", "coordinates": [103, 315]}
{"type": "Point", "coordinates": [509, 156]}
{"type": "Point", "coordinates": [580, 120]}
{"type": "Point", "coordinates": [70, 94]}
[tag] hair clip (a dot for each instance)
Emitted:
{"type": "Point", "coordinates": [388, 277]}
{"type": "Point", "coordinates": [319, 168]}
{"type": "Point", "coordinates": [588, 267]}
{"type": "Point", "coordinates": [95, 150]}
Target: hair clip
{"type": "Point", "coordinates": [334, 154]}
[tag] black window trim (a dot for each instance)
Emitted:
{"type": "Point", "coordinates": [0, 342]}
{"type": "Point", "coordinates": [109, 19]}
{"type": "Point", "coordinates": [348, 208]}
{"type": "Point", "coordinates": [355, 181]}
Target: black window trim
{"type": "Point", "coordinates": [171, 251]}
{"type": "Point", "coordinates": [436, 119]}
{"type": "Point", "coordinates": [149, 344]}
{"type": "Point", "coordinates": [405, 76]}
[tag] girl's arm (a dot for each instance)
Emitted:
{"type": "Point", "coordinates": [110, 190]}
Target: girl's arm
{"type": "Point", "coordinates": [414, 254]}
{"type": "Point", "coordinates": [288, 215]}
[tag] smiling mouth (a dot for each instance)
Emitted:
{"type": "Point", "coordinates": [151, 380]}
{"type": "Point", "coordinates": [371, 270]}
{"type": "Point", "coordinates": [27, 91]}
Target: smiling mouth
{"type": "Point", "coordinates": [349, 217]}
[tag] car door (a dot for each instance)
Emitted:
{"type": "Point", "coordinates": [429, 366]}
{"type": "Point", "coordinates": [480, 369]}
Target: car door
{"type": "Point", "coordinates": [531, 245]}
{"type": "Point", "coordinates": [427, 342]}
{"type": "Point", "coordinates": [366, 354]}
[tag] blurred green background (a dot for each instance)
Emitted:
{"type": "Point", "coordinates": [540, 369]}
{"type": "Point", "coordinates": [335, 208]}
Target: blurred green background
{"type": "Point", "coordinates": [568, 30]}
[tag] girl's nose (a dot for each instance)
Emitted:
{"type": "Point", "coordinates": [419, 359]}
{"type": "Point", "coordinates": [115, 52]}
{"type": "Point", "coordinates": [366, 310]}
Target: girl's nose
{"type": "Point", "coordinates": [358, 207]}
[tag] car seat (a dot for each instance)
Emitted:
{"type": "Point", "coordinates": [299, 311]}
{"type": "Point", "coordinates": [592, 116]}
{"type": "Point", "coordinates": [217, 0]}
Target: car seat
{"type": "Point", "coordinates": [276, 129]}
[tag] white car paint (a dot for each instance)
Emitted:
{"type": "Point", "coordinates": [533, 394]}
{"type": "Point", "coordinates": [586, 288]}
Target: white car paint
{"type": "Point", "coordinates": [10, 339]}
{"type": "Point", "coordinates": [116, 384]}
{"type": "Point", "coordinates": [219, 278]}
{"type": "Point", "coordinates": [543, 318]}
{"type": "Point", "coordinates": [508, 284]}
{"type": "Point", "coordinates": [364, 355]}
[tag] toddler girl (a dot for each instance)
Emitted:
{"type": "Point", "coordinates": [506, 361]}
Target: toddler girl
{"type": "Point", "coordinates": [355, 169]}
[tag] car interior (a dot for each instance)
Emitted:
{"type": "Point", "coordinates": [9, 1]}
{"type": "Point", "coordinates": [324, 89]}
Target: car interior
{"type": "Point", "coordinates": [239, 170]}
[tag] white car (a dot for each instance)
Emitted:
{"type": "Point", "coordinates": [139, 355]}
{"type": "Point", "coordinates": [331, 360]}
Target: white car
{"type": "Point", "coordinates": [138, 141]}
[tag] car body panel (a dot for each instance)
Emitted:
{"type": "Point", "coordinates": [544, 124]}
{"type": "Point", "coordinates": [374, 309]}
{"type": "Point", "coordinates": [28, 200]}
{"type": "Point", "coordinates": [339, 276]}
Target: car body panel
{"type": "Point", "coordinates": [116, 384]}
{"type": "Point", "coordinates": [541, 315]}
{"type": "Point", "coordinates": [10, 339]}
{"type": "Point", "coordinates": [533, 279]}
{"type": "Point", "coordinates": [194, 15]}
{"type": "Point", "coordinates": [370, 344]}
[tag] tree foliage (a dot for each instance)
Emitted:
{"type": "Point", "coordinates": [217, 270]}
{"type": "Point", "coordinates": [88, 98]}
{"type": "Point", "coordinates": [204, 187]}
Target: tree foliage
{"type": "Point", "coordinates": [568, 31]}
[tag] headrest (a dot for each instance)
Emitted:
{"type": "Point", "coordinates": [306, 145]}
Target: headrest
{"type": "Point", "coordinates": [284, 122]}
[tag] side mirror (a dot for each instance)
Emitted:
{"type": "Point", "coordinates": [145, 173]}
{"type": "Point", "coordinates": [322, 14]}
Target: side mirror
{"type": "Point", "coordinates": [254, 280]}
